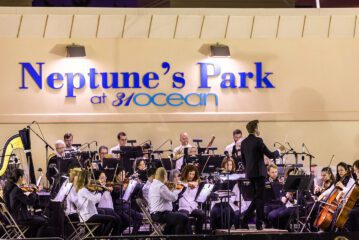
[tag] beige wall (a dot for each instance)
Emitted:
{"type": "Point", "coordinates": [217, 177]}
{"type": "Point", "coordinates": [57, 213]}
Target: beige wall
{"type": "Point", "coordinates": [315, 73]}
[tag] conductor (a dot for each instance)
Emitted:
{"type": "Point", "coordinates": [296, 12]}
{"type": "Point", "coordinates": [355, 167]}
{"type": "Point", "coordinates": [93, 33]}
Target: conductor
{"type": "Point", "coordinates": [253, 150]}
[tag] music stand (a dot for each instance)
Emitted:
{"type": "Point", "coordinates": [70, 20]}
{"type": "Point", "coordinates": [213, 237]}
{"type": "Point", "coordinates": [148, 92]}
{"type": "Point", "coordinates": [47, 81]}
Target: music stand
{"type": "Point", "coordinates": [210, 166]}
{"type": "Point", "coordinates": [296, 183]}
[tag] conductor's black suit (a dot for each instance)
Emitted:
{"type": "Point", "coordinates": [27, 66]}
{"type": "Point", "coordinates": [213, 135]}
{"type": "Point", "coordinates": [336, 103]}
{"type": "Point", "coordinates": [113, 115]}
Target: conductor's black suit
{"type": "Point", "coordinates": [253, 150]}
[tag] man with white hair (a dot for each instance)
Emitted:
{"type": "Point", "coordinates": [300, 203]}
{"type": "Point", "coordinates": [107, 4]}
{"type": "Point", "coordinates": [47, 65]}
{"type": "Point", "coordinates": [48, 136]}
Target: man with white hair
{"type": "Point", "coordinates": [53, 164]}
{"type": "Point", "coordinates": [181, 151]}
{"type": "Point", "coordinates": [60, 147]}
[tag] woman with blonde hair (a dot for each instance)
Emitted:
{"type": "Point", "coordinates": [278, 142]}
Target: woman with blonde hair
{"type": "Point", "coordinates": [87, 201]}
{"type": "Point", "coordinates": [160, 204]}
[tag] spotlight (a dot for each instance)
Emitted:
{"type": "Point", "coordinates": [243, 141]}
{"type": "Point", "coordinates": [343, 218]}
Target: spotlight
{"type": "Point", "coordinates": [220, 51]}
{"type": "Point", "coordinates": [75, 51]}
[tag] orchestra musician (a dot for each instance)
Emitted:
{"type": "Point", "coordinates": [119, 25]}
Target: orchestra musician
{"type": "Point", "coordinates": [187, 202]}
{"type": "Point", "coordinates": [327, 180]}
{"type": "Point", "coordinates": [353, 217]}
{"type": "Point", "coordinates": [86, 207]}
{"type": "Point", "coordinates": [237, 206]}
{"type": "Point", "coordinates": [105, 206]}
{"type": "Point", "coordinates": [146, 188]}
{"type": "Point", "coordinates": [17, 202]}
{"type": "Point", "coordinates": [141, 169]}
{"type": "Point", "coordinates": [123, 207]}
{"type": "Point", "coordinates": [122, 141]}
{"type": "Point", "coordinates": [234, 149]}
{"type": "Point", "coordinates": [343, 181]}
{"type": "Point", "coordinates": [160, 205]}
{"type": "Point", "coordinates": [272, 171]}
{"type": "Point", "coordinates": [102, 152]}
{"type": "Point", "coordinates": [175, 177]}
{"type": "Point", "coordinates": [279, 217]}
{"type": "Point", "coordinates": [181, 151]}
{"type": "Point", "coordinates": [69, 140]}
{"type": "Point", "coordinates": [52, 167]}
{"type": "Point", "coordinates": [252, 151]}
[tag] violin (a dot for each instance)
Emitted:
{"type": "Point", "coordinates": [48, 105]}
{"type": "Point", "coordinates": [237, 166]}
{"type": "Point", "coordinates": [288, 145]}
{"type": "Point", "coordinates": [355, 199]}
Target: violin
{"type": "Point", "coordinates": [174, 186]}
{"type": "Point", "coordinates": [29, 188]}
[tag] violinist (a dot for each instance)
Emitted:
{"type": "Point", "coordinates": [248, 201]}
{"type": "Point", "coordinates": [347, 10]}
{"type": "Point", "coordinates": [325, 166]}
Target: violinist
{"type": "Point", "coordinates": [71, 199]}
{"type": "Point", "coordinates": [353, 218]}
{"type": "Point", "coordinates": [181, 151]}
{"type": "Point", "coordinates": [187, 202]}
{"type": "Point", "coordinates": [18, 201]}
{"type": "Point", "coordinates": [87, 200]}
{"type": "Point", "coordinates": [343, 181]}
{"type": "Point", "coordinates": [150, 176]}
{"type": "Point", "coordinates": [141, 170]}
{"type": "Point", "coordinates": [327, 179]}
{"type": "Point", "coordinates": [105, 206]}
{"type": "Point", "coordinates": [160, 205]}
{"type": "Point", "coordinates": [122, 207]}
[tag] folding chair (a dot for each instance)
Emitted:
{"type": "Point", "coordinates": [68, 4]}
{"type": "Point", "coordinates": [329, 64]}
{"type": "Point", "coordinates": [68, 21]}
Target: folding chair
{"type": "Point", "coordinates": [11, 228]}
{"type": "Point", "coordinates": [157, 228]}
{"type": "Point", "coordinates": [82, 230]}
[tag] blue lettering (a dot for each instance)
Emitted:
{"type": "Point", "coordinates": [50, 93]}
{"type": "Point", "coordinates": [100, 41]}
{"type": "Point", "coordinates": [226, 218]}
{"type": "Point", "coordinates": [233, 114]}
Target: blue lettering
{"type": "Point", "coordinates": [71, 85]}
{"type": "Point", "coordinates": [204, 73]}
{"type": "Point", "coordinates": [37, 77]}
{"type": "Point", "coordinates": [55, 77]}
{"type": "Point", "coordinates": [261, 79]}
{"type": "Point", "coordinates": [148, 77]}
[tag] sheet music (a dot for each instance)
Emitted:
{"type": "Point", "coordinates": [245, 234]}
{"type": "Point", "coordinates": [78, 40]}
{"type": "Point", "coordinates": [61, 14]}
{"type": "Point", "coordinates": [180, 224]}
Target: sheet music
{"type": "Point", "coordinates": [129, 190]}
{"type": "Point", "coordinates": [205, 192]}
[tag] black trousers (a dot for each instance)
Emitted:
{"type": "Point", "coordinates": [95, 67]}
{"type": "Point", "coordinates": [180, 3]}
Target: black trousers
{"type": "Point", "coordinates": [353, 220]}
{"type": "Point", "coordinates": [106, 221]}
{"type": "Point", "coordinates": [199, 217]}
{"type": "Point", "coordinates": [119, 224]}
{"type": "Point", "coordinates": [176, 223]}
{"type": "Point", "coordinates": [279, 217]}
{"type": "Point", "coordinates": [219, 216]}
{"type": "Point", "coordinates": [37, 224]}
{"type": "Point", "coordinates": [267, 209]}
{"type": "Point", "coordinates": [257, 204]}
{"type": "Point", "coordinates": [129, 215]}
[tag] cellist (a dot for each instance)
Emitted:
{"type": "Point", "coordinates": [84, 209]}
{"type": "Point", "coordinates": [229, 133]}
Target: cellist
{"type": "Point", "coordinates": [353, 218]}
{"type": "Point", "coordinates": [344, 181]}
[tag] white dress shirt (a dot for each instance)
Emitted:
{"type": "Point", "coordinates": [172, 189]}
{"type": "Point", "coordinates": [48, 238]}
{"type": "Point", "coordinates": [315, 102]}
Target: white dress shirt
{"type": "Point", "coordinates": [160, 197]}
{"type": "Point", "coordinates": [115, 148]}
{"type": "Point", "coordinates": [145, 190]}
{"type": "Point", "coordinates": [106, 200]}
{"type": "Point", "coordinates": [179, 162]}
{"type": "Point", "coordinates": [345, 191]}
{"type": "Point", "coordinates": [71, 201]}
{"type": "Point", "coordinates": [229, 148]}
{"type": "Point", "coordinates": [87, 203]}
{"type": "Point", "coordinates": [187, 201]}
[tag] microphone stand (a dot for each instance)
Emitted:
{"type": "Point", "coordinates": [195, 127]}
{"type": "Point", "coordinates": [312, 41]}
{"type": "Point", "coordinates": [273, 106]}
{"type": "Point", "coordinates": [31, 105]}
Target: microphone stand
{"type": "Point", "coordinates": [47, 146]}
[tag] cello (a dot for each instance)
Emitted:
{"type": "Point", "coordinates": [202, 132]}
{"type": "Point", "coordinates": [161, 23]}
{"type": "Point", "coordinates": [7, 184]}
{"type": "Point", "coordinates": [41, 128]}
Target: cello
{"type": "Point", "coordinates": [327, 213]}
{"type": "Point", "coordinates": [348, 205]}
